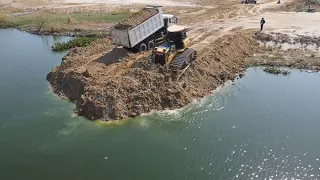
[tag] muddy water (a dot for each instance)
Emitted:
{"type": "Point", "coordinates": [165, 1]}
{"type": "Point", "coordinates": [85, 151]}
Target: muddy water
{"type": "Point", "coordinates": [263, 126]}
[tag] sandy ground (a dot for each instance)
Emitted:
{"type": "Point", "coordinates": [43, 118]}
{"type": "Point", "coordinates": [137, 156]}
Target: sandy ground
{"type": "Point", "coordinates": [133, 86]}
{"type": "Point", "coordinates": [129, 2]}
{"type": "Point", "coordinates": [291, 23]}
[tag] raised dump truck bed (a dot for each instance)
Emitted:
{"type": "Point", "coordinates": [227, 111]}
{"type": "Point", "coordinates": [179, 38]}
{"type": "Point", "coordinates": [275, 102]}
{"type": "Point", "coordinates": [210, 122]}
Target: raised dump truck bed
{"type": "Point", "coordinates": [137, 31]}
{"type": "Point", "coordinates": [136, 19]}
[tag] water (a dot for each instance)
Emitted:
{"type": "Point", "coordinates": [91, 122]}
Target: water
{"type": "Point", "coordinates": [263, 126]}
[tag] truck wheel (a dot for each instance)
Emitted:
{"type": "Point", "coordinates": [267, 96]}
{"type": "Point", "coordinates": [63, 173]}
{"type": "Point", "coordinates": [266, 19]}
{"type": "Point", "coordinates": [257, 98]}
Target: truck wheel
{"type": "Point", "coordinates": [143, 47]}
{"type": "Point", "coordinates": [150, 45]}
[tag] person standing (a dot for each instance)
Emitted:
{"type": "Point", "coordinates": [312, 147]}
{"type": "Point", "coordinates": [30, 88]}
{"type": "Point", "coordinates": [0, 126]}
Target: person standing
{"type": "Point", "coordinates": [262, 23]}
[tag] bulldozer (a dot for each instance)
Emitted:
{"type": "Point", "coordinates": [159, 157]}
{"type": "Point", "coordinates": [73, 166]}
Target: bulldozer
{"type": "Point", "coordinates": [174, 52]}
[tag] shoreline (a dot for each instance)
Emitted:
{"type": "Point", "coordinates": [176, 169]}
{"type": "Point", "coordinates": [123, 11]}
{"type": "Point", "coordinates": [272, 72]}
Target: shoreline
{"type": "Point", "coordinates": [162, 93]}
{"type": "Point", "coordinates": [130, 86]}
{"type": "Point", "coordinates": [111, 96]}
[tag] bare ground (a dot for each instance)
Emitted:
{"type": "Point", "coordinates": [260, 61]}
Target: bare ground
{"type": "Point", "coordinates": [109, 83]}
{"type": "Point", "coordinates": [191, 12]}
{"type": "Point", "coordinates": [303, 59]}
{"type": "Point", "coordinates": [282, 50]}
{"type": "Point", "coordinates": [133, 86]}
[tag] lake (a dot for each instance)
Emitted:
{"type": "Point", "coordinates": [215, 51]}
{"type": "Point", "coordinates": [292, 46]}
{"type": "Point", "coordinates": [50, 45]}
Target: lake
{"type": "Point", "coordinates": [262, 126]}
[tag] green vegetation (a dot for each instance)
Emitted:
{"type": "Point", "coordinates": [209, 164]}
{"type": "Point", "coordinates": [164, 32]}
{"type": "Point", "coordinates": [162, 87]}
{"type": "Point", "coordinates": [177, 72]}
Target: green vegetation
{"type": "Point", "coordinates": [303, 5]}
{"type": "Point", "coordinates": [4, 18]}
{"type": "Point", "coordinates": [77, 42]}
{"type": "Point", "coordinates": [273, 70]}
{"type": "Point", "coordinates": [5, 21]}
{"type": "Point", "coordinates": [54, 22]}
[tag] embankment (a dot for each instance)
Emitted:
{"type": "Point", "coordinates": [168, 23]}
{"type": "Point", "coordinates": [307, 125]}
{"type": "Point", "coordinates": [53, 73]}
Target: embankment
{"type": "Point", "coordinates": [117, 84]}
{"type": "Point", "coordinates": [287, 50]}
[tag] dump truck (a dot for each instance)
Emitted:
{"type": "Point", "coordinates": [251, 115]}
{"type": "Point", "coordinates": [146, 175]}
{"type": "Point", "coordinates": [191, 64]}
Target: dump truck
{"type": "Point", "coordinates": [143, 30]}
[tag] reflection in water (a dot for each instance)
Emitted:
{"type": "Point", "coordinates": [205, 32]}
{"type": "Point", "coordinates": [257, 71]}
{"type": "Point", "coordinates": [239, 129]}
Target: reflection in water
{"type": "Point", "coordinates": [262, 127]}
{"type": "Point", "coordinates": [48, 41]}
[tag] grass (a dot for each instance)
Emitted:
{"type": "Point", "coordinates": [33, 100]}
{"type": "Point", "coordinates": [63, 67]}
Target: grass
{"type": "Point", "coordinates": [273, 70]}
{"type": "Point", "coordinates": [4, 18]}
{"type": "Point", "coordinates": [5, 21]}
{"type": "Point", "coordinates": [72, 20]}
{"type": "Point", "coordinates": [77, 42]}
{"type": "Point", "coordinates": [60, 22]}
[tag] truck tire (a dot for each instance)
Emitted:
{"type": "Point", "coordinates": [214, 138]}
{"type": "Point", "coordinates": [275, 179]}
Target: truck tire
{"type": "Point", "coordinates": [150, 45]}
{"type": "Point", "coordinates": [143, 47]}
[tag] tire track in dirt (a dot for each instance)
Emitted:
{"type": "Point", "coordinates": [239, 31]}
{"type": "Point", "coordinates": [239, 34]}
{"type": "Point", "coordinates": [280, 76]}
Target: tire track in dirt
{"type": "Point", "coordinates": [284, 22]}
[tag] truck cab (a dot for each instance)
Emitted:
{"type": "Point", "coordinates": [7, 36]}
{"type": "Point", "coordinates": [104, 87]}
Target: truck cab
{"type": "Point", "coordinates": [169, 20]}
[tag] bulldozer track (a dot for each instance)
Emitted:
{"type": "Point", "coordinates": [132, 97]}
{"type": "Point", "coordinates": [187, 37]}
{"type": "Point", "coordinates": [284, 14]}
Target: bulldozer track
{"type": "Point", "coordinates": [183, 59]}
{"type": "Point", "coordinates": [181, 62]}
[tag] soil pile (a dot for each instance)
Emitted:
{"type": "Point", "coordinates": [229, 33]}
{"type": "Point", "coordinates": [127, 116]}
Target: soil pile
{"type": "Point", "coordinates": [133, 85]}
{"type": "Point", "coordinates": [280, 38]}
{"type": "Point", "coordinates": [292, 58]}
{"type": "Point", "coordinates": [136, 19]}
{"type": "Point", "coordinates": [302, 52]}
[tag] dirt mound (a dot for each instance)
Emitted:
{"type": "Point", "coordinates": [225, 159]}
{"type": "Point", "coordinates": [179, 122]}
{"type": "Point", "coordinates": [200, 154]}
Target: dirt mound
{"type": "Point", "coordinates": [297, 5]}
{"type": "Point", "coordinates": [114, 56]}
{"type": "Point", "coordinates": [134, 86]}
{"type": "Point", "coordinates": [136, 19]}
{"type": "Point", "coordinates": [274, 37]}
{"type": "Point", "coordinates": [292, 58]}
{"type": "Point", "coordinates": [280, 38]}
{"type": "Point", "coordinates": [299, 54]}
{"type": "Point", "coordinates": [306, 40]}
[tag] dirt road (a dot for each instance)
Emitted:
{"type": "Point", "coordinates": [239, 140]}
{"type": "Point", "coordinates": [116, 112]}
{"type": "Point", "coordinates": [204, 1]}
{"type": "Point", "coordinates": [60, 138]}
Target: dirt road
{"type": "Point", "coordinates": [291, 23]}
{"type": "Point", "coordinates": [128, 2]}
{"type": "Point", "coordinates": [132, 85]}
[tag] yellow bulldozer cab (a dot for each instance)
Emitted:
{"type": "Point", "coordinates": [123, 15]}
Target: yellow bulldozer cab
{"type": "Point", "coordinates": [176, 28]}
{"type": "Point", "coordinates": [179, 30]}
{"type": "Point", "coordinates": [177, 43]}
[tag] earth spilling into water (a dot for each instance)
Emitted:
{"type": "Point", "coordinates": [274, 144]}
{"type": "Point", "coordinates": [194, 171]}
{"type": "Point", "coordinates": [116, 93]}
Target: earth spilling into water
{"type": "Point", "coordinates": [262, 126]}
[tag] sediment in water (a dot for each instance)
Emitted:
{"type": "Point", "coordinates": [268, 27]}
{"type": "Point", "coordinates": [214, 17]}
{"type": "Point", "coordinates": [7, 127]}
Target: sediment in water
{"type": "Point", "coordinates": [130, 85]}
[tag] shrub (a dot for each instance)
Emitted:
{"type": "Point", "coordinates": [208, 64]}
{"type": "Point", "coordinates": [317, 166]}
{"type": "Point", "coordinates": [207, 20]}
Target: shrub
{"type": "Point", "coordinates": [273, 70]}
{"type": "Point", "coordinates": [312, 1]}
{"type": "Point", "coordinates": [77, 42]}
{"type": "Point", "coordinates": [302, 6]}
{"type": "Point", "coordinates": [4, 18]}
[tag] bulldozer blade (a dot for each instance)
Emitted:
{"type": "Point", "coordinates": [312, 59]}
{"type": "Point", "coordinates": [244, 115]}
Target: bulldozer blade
{"type": "Point", "coordinates": [192, 56]}
{"type": "Point", "coordinates": [183, 71]}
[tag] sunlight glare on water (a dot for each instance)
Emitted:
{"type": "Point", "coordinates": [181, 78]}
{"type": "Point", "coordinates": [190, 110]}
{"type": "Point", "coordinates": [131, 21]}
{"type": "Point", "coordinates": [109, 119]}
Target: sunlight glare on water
{"type": "Point", "coordinates": [260, 127]}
